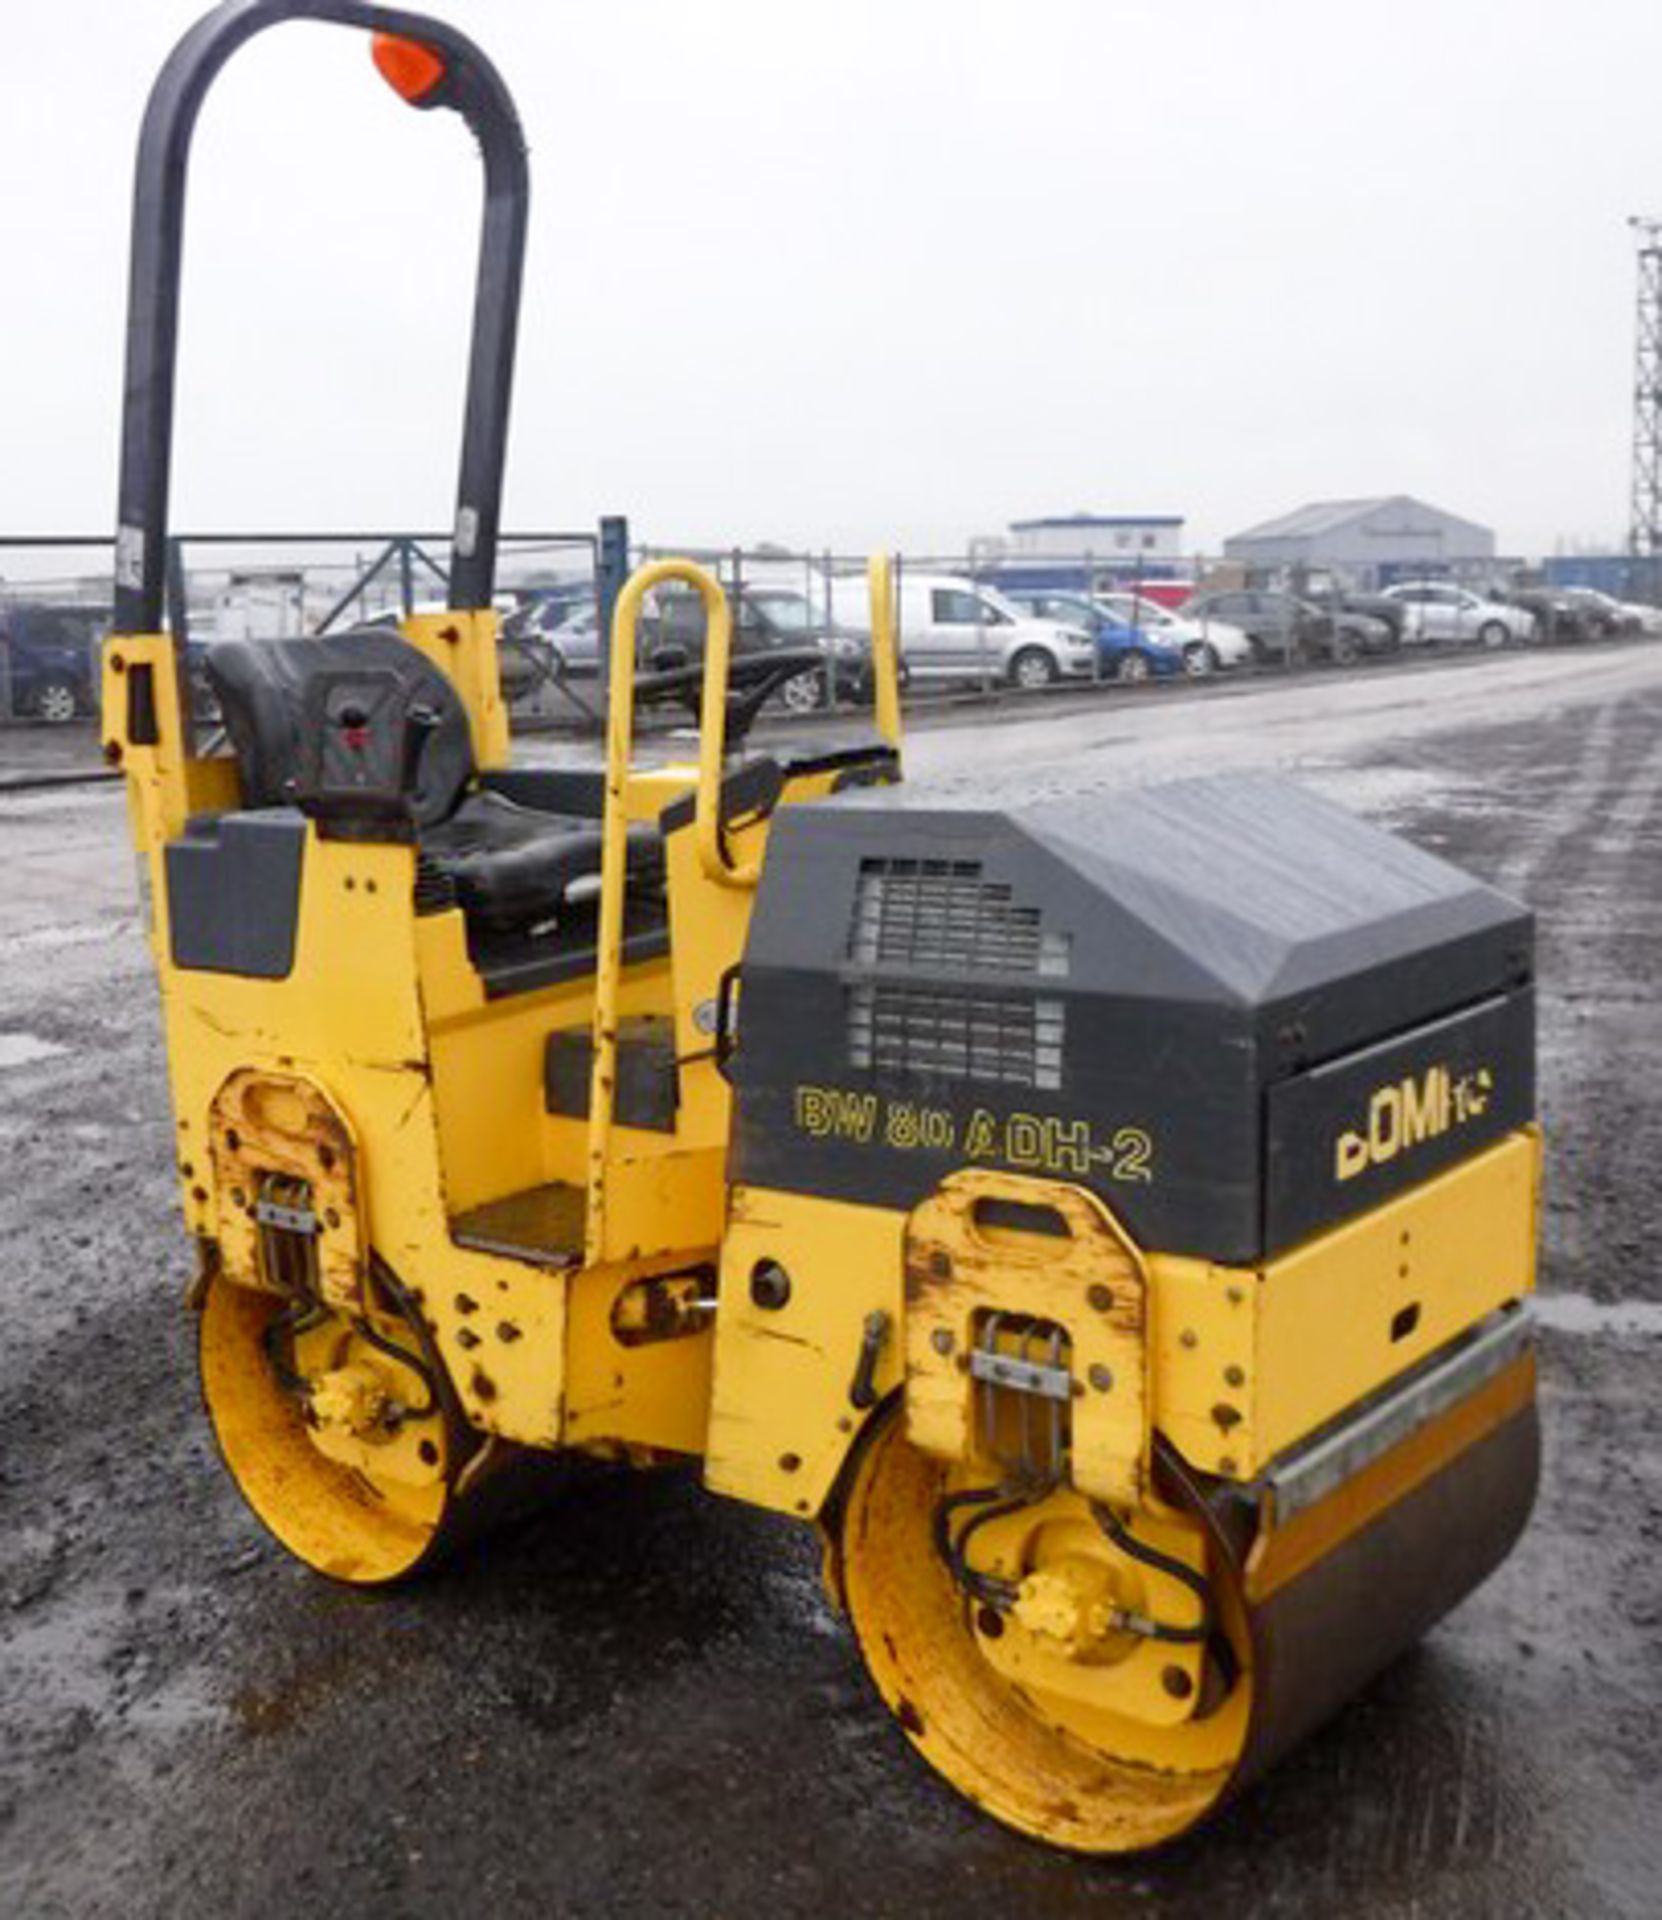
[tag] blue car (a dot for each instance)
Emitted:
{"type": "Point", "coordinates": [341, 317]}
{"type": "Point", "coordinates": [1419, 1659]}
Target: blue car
{"type": "Point", "coordinates": [49, 659]}
{"type": "Point", "coordinates": [1125, 652]}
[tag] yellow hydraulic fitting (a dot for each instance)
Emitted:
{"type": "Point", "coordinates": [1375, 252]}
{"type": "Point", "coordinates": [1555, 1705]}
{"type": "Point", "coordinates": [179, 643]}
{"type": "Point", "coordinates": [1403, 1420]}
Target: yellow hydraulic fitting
{"type": "Point", "coordinates": [350, 1399]}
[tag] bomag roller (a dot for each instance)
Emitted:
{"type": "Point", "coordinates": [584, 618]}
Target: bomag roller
{"type": "Point", "coordinates": [1108, 1222]}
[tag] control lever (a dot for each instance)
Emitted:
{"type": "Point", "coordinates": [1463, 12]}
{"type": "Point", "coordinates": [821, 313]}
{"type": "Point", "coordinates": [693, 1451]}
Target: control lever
{"type": "Point", "coordinates": [862, 1389]}
{"type": "Point", "coordinates": [420, 724]}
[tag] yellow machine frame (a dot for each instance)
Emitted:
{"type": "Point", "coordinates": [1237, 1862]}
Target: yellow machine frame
{"type": "Point", "coordinates": [413, 1274]}
{"type": "Point", "coordinates": [384, 1035]}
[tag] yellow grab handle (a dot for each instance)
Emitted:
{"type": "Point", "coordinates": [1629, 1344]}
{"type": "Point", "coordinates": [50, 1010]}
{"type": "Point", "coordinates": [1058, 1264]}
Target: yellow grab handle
{"type": "Point", "coordinates": [885, 648]}
{"type": "Point", "coordinates": [712, 732]}
{"type": "Point", "coordinates": [614, 855]}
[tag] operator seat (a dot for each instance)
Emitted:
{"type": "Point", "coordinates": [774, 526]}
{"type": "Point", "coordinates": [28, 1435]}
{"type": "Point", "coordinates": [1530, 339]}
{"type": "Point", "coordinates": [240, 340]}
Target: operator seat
{"type": "Point", "coordinates": [365, 735]}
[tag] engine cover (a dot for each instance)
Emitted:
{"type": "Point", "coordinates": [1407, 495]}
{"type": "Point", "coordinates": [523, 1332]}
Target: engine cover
{"type": "Point", "coordinates": [1235, 1011]}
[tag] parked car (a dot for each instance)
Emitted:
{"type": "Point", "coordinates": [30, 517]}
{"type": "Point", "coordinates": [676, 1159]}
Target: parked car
{"type": "Point", "coordinates": [1556, 613]}
{"type": "Point", "coordinates": [1377, 606]}
{"type": "Point", "coordinates": [1124, 651]}
{"type": "Point", "coordinates": [1606, 617]}
{"type": "Point", "coordinates": [1204, 649]}
{"type": "Point", "coordinates": [952, 629]}
{"type": "Point", "coordinates": [767, 617]}
{"type": "Point", "coordinates": [1643, 618]}
{"type": "Point", "coordinates": [49, 654]}
{"type": "Point", "coordinates": [1282, 626]}
{"type": "Point", "coordinates": [1438, 612]}
{"type": "Point", "coordinates": [546, 607]}
{"type": "Point", "coordinates": [568, 634]}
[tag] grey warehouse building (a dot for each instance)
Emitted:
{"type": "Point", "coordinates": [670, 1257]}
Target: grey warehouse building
{"type": "Point", "coordinates": [1373, 542]}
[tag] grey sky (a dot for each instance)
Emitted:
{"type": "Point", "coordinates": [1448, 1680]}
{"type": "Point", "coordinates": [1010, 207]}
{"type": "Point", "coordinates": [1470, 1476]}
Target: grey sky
{"type": "Point", "coordinates": [885, 270]}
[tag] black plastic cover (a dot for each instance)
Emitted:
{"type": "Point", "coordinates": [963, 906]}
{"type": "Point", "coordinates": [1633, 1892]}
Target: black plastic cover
{"type": "Point", "coordinates": [233, 893]}
{"type": "Point", "coordinates": [648, 1089]}
{"type": "Point", "coordinates": [1122, 989]}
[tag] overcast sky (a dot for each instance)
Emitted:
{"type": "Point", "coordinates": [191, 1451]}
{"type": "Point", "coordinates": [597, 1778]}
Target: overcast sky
{"type": "Point", "coordinates": [876, 271]}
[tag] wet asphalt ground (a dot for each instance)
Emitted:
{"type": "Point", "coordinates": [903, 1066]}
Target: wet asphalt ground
{"type": "Point", "coordinates": [640, 1702]}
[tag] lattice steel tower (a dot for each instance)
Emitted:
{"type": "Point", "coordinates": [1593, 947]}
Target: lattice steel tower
{"type": "Point", "coordinates": [1645, 535]}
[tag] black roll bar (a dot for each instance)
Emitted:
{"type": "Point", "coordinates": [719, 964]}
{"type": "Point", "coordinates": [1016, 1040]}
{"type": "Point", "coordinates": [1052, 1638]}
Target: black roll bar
{"type": "Point", "coordinates": [471, 86]}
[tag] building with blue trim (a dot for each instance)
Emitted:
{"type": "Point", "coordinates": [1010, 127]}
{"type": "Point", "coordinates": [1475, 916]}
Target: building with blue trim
{"type": "Point", "coordinates": [1074, 552]}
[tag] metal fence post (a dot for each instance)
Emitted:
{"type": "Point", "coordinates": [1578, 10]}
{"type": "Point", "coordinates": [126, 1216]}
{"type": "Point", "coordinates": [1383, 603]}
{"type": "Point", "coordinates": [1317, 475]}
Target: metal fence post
{"type": "Point", "coordinates": [611, 570]}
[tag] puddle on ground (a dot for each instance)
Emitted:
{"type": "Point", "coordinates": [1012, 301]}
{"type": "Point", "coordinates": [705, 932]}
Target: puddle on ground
{"type": "Point", "coordinates": [1386, 790]}
{"type": "Point", "coordinates": [1576, 1313]}
{"type": "Point", "coordinates": [23, 1049]}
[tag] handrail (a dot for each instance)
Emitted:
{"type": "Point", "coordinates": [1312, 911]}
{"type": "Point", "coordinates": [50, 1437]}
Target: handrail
{"type": "Point", "coordinates": [471, 87]}
{"type": "Point", "coordinates": [712, 735]}
{"type": "Point", "coordinates": [712, 853]}
{"type": "Point", "coordinates": [614, 854]}
{"type": "Point", "coordinates": [885, 650]}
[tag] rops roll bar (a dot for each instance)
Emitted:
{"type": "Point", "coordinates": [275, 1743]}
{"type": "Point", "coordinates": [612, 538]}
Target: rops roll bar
{"type": "Point", "coordinates": [431, 65]}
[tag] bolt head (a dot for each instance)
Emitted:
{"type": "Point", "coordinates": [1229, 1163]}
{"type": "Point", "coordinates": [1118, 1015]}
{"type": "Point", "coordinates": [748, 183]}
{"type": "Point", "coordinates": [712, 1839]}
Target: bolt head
{"type": "Point", "coordinates": [770, 1285]}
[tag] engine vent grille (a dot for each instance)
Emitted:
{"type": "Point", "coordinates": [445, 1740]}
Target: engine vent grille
{"type": "Point", "coordinates": [1015, 1040]}
{"type": "Point", "coordinates": [942, 914]}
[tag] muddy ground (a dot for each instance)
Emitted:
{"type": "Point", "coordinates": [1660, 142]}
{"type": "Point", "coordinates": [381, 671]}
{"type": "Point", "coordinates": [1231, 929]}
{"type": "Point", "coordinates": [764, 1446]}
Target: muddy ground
{"type": "Point", "coordinates": [640, 1702]}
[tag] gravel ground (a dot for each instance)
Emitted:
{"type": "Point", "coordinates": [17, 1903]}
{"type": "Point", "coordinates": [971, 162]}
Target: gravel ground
{"type": "Point", "coordinates": [639, 1702]}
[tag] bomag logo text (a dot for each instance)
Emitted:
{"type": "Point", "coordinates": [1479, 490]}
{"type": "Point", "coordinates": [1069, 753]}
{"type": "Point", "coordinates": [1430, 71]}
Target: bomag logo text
{"type": "Point", "coordinates": [1408, 1112]}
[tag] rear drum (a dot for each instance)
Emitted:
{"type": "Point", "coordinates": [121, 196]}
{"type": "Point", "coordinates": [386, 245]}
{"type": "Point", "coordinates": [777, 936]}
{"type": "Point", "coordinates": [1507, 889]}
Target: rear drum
{"type": "Point", "coordinates": [347, 1454]}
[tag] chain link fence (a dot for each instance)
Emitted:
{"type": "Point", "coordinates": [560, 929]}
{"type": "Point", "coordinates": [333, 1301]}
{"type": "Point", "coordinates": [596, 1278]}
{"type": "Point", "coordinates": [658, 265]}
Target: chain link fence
{"type": "Point", "coordinates": [56, 598]}
{"type": "Point", "coordinates": [974, 625]}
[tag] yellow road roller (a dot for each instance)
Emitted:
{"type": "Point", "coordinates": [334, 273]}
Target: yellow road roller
{"type": "Point", "coordinates": [1109, 1222]}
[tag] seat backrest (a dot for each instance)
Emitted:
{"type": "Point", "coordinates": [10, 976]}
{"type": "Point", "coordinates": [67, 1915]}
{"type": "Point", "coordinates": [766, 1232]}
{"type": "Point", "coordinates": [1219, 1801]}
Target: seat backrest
{"type": "Point", "coordinates": [262, 687]}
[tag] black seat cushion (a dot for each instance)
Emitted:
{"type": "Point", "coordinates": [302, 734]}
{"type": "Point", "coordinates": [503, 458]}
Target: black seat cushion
{"type": "Point", "coordinates": [261, 687]}
{"type": "Point", "coordinates": [509, 867]}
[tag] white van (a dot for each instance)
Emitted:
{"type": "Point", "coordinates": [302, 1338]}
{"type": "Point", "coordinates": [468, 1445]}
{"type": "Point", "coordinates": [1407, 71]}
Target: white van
{"type": "Point", "coordinates": [952, 629]}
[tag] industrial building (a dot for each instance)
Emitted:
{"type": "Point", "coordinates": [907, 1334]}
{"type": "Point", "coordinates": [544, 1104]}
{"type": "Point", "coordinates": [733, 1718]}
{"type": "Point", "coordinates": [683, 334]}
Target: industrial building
{"type": "Point", "coordinates": [1113, 539]}
{"type": "Point", "coordinates": [1074, 550]}
{"type": "Point", "coordinates": [1371, 542]}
